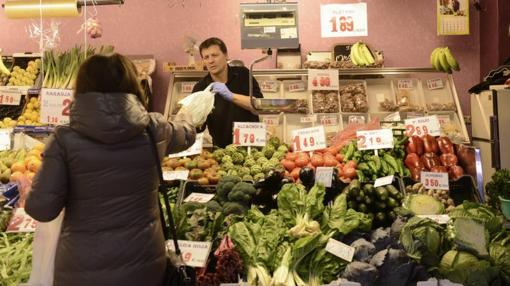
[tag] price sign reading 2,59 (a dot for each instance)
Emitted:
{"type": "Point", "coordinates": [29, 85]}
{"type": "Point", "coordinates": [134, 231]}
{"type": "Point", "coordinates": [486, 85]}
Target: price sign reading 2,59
{"type": "Point", "coordinates": [308, 139]}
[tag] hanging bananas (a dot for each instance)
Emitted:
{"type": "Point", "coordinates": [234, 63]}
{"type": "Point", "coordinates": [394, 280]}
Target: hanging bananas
{"type": "Point", "coordinates": [3, 68]}
{"type": "Point", "coordinates": [360, 55]}
{"type": "Point", "coordinates": [443, 60]}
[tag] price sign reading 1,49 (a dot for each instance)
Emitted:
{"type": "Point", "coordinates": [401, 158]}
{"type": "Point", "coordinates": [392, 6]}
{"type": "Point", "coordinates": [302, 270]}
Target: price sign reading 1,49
{"type": "Point", "coordinates": [55, 106]}
{"type": "Point", "coordinates": [249, 134]}
{"type": "Point", "coordinates": [374, 139]}
{"type": "Point", "coordinates": [308, 139]}
{"type": "Point", "coordinates": [422, 126]}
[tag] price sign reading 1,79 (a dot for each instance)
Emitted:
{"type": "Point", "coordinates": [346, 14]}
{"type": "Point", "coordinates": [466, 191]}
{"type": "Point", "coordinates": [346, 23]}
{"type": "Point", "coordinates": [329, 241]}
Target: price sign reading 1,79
{"type": "Point", "coordinates": [308, 139]}
{"type": "Point", "coordinates": [249, 134]}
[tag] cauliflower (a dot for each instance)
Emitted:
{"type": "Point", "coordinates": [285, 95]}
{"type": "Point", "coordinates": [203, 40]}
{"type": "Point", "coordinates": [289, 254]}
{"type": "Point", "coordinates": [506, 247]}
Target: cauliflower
{"type": "Point", "coordinates": [237, 158]}
{"type": "Point", "coordinates": [255, 169]}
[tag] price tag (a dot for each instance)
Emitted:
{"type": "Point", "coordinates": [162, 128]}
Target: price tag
{"type": "Point", "coordinates": [196, 148]}
{"type": "Point", "coordinates": [249, 134]}
{"type": "Point", "coordinates": [308, 139]}
{"type": "Point", "coordinates": [379, 182]}
{"type": "Point", "coordinates": [55, 106]}
{"type": "Point", "coordinates": [297, 86]}
{"type": "Point", "coordinates": [175, 175]}
{"type": "Point", "coordinates": [435, 181]}
{"type": "Point", "coordinates": [329, 120]}
{"type": "Point", "coordinates": [194, 253]}
{"type": "Point", "coordinates": [395, 116]}
{"type": "Point", "coordinates": [344, 20]}
{"type": "Point", "coordinates": [440, 219]}
{"type": "Point", "coordinates": [199, 198]}
{"type": "Point", "coordinates": [10, 95]}
{"type": "Point", "coordinates": [374, 139]}
{"type": "Point", "coordinates": [269, 86]}
{"type": "Point", "coordinates": [360, 119]}
{"type": "Point", "coordinates": [340, 250]}
{"type": "Point", "coordinates": [324, 175]}
{"type": "Point", "coordinates": [435, 84]}
{"type": "Point", "coordinates": [443, 119]}
{"type": "Point", "coordinates": [323, 79]}
{"type": "Point", "coordinates": [405, 84]}
{"type": "Point", "coordinates": [5, 139]}
{"type": "Point", "coordinates": [21, 222]}
{"type": "Point", "coordinates": [422, 126]}
{"type": "Point", "coordinates": [308, 119]}
{"type": "Point", "coordinates": [271, 120]}
{"type": "Point", "coordinates": [187, 86]}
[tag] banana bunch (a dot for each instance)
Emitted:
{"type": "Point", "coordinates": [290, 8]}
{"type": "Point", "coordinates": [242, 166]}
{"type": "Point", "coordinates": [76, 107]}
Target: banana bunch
{"type": "Point", "coordinates": [442, 59]}
{"type": "Point", "coordinates": [361, 55]}
{"type": "Point", "coordinates": [3, 69]}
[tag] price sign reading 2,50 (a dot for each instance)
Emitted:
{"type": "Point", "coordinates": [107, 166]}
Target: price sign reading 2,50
{"type": "Point", "coordinates": [346, 24]}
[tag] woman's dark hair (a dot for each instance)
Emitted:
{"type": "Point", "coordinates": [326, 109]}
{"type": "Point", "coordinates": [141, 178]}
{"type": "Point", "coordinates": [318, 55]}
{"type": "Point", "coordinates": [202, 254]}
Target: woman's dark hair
{"type": "Point", "coordinates": [213, 42]}
{"type": "Point", "coordinates": [109, 73]}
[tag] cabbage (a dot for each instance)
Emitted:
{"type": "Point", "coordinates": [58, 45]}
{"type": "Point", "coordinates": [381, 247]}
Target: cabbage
{"type": "Point", "coordinates": [198, 105]}
{"type": "Point", "coordinates": [469, 235]}
{"type": "Point", "coordinates": [499, 252]}
{"type": "Point", "coordinates": [423, 205]}
{"type": "Point", "coordinates": [465, 268]}
{"type": "Point", "coordinates": [480, 213]}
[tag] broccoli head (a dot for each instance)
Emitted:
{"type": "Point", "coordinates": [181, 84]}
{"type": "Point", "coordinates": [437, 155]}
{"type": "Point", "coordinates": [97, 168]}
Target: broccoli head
{"type": "Point", "coordinates": [190, 207]}
{"type": "Point", "coordinates": [246, 188]}
{"type": "Point", "coordinates": [237, 158]}
{"type": "Point", "coordinates": [255, 169]}
{"type": "Point", "coordinates": [249, 162]}
{"type": "Point", "coordinates": [213, 206]}
{"type": "Point", "coordinates": [239, 196]}
{"type": "Point", "coordinates": [225, 185]}
{"type": "Point", "coordinates": [234, 208]}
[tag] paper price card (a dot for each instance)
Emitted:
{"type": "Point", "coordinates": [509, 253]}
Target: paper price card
{"type": "Point", "coordinates": [198, 198]}
{"type": "Point", "coordinates": [308, 139]}
{"type": "Point", "coordinates": [308, 119]}
{"type": "Point", "coordinates": [323, 79]}
{"type": "Point", "coordinates": [435, 84]}
{"type": "Point", "coordinates": [55, 106]}
{"type": "Point", "coordinates": [194, 253]}
{"type": "Point", "coordinates": [329, 120]}
{"type": "Point", "coordinates": [187, 86]}
{"type": "Point", "coordinates": [443, 119]}
{"type": "Point", "coordinates": [5, 139]}
{"type": "Point", "coordinates": [196, 148]}
{"type": "Point", "coordinates": [269, 86]}
{"type": "Point", "coordinates": [379, 182]}
{"type": "Point", "coordinates": [440, 219]}
{"type": "Point", "coordinates": [422, 126]}
{"type": "Point", "coordinates": [374, 139]}
{"type": "Point", "coordinates": [10, 95]}
{"type": "Point", "coordinates": [340, 249]}
{"type": "Point", "coordinates": [21, 222]}
{"type": "Point", "coordinates": [297, 86]}
{"type": "Point", "coordinates": [344, 20]}
{"type": "Point", "coordinates": [249, 134]}
{"type": "Point", "coordinates": [435, 181]}
{"type": "Point", "coordinates": [405, 84]}
{"type": "Point", "coordinates": [324, 175]}
{"type": "Point", "coordinates": [175, 175]}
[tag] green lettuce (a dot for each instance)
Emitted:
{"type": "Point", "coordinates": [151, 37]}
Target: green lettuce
{"type": "Point", "coordinates": [465, 268]}
{"type": "Point", "coordinates": [499, 252]}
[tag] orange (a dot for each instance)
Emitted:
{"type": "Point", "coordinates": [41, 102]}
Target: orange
{"type": "Point", "coordinates": [34, 165]}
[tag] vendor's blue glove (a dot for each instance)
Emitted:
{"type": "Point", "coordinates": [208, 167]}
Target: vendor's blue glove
{"type": "Point", "coordinates": [222, 89]}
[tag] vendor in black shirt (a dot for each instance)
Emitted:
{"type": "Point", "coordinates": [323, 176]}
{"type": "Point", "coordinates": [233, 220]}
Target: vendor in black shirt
{"type": "Point", "coordinates": [231, 85]}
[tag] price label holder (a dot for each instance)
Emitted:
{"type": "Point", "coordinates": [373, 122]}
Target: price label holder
{"type": "Point", "coordinates": [379, 182]}
{"type": "Point", "coordinates": [249, 134]}
{"type": "Point", "coordinates": [405, 84]}
{"type": "Point", "coordinates": [21, 222]}
{"type": "Point", "coordinates": [271, 120]}
{"type": "Point", "coordinates": [374, 139]}
{"type": "Point", "coordinates": [435, 84]}
{"type": "Point", "coordinates": [187, 86]}
{"type": "Point", "coordinates": [395, 116]}
{"type": "Point", "coordinates": [194, 253]}
{"type": "Point", "coordinates": [175, 175]}
{"type": "Point", "coordinates": [199, 198]}
{"type": "Point", "coordinates": [340, 249]}
{"type": "Point", "coordinates": [329, 120]}
{"type": "Point", "coordinates": [435, 181]}
{"type": "Point", "coordinates": [308, 119]}
{"type": "Point", "coordinates": [5, 139]}
{"type": "Point", "coordinates": [55, 106]}
{"type": "Point", "coordinates": [196, 148]}
{"type": "Point", "coordinates": [323, 79]}
{"type": "Point", "coordinates": [269, 86]}
{"type": "Point", "coordinates": [440, 219]}
{"type": "Point", "coordinates": [422, 126]}
{"type": "Point", "coordinates": [308, 139]}
{"type": "Point", "coordinates": [11, 95]}
{"type": "Point", "coordinates": [324, 175]}
{"type": "Point", "coordinates": [344, 20]}
{"type": "Point", "coordinates": [297, 86]}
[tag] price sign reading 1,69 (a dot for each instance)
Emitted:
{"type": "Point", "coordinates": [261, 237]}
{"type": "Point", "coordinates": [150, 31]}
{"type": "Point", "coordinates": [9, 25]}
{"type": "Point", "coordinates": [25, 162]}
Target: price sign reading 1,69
{"type": "Point", "coordinates": [422, 126]}
{"type": "Point", "coordinates": [308, 139]}
{"type": "Point", "coordinates": [374, 139]}
{"type": "Point", "coordinates": [55, 106]}
{"type": "Point", "coordinates": [435, 181]}
{"type": "Point", "coordinates": [249, 134]}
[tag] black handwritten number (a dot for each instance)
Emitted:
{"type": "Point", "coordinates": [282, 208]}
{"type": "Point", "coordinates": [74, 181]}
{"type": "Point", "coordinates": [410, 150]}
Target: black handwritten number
{"type": "Point", "coordinates": [67, 106]}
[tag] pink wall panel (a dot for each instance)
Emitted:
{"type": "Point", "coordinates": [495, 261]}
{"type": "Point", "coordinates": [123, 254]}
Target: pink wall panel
{"type": "Point", "coordinates": [405, 30]}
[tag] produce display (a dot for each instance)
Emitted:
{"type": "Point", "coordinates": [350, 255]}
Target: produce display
{"type": "Point", "coordinates": [441, 195]}
{"type": "Point", "coordinates": [16, 262]}
{"type": "Point", "coordinates": [4, 72]}
{"type": "Point", "coordinates": [388, 105]}
{"type": "Point", "coordinates": [31, 114]}
{"type": "Point", "coordinates": [353, 98]}
{"type": "Point", "coordinates": [203, 167]}
{"type": "Point", "coordinates": [25, 77]}
{"type": "Point", "coordinates": [325, 102]}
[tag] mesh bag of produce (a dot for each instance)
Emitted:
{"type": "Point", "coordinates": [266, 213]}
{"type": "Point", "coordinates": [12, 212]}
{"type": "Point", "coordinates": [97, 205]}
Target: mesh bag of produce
{"type": "Point", "coordinates": [198, 104]}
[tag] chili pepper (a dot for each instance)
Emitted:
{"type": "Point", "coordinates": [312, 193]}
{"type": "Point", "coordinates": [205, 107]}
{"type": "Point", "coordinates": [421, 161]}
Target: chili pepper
{"type": "Point", "coordinates": [448, 159]}
{"type": "Point", "coordinates": [415, 145]}
{"type": "Point", "coordinates": [361, 176]}
{"type": "Point", "coordinates": [363, 166]}
{"type": "Point", "coordinates": [430, 144]}
{"type": "Point", "coordinates": [372, 166]}
{"type": "Point", "coordinates": [349, 152]}
{"type": "Point", "coordinates": [384, 167]}
{"type": "Point", "coordinates": [445, 145]}
{"type": "Point", "coordinates": [377, 162]}
{"type": "Point", "coordinates": [391, 161]}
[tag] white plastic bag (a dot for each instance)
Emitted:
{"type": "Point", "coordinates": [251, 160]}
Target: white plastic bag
{"type": "Point", "coordinates": [198, 104]}
{"type": "Point", "coordinates": [43, 253]}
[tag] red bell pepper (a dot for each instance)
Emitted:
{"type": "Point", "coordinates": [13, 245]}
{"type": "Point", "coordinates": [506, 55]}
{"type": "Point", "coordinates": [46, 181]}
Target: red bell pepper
{"type": "Point", "coordinates": [439, 169]}
{"type": "Point", "coordinates": [430, 144]}
{"type": "Point", "coordinates": [414, 145]}
{"type": "Point", "coordinates": [445, 145]}
{"type": "Point", "coordinates": [455, 172]}
{"type": "Point", "coordinates": [416, 173]}
{"type": "Point", "coordinates": [430, 160]}
{"type": "Point", "coordinates": [448, 159]}
{"type": "Point", "coordinates": [413, 161]}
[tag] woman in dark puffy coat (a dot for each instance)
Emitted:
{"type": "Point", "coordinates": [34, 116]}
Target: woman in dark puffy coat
{"type": "Point", "coordinates": [101, 170]}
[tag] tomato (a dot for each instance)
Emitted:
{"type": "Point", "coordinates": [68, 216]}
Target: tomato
{"type": "Point", "coordinates": [291, 156]}
{"type": "Point", "coordinates": [351, 164]}
{"type": "Point", "coordinates": [350, 172]}
{"type": "Point", "coordinates": [288, 164]}
{"type": "Point", "coordinates": [295, 173]}
{"type": "Point", "coordinates": [302, 161]}
{"type": "Point", "coordinates": [317, 160]}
